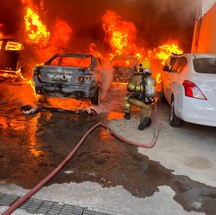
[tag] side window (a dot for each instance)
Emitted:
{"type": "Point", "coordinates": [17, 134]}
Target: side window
{"type": "Point", "coordinates": [182, 65]}
{"type": "Point", "coordinates": [54, 62]}
{"type": "Point", "coordinates": [175, 66]}
{"type": "Point", "coordinates": [179, 65]}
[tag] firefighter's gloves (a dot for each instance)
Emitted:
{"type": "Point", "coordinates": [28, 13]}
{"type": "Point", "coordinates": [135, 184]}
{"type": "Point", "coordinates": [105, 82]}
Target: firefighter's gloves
{"type": "Point", "coordinates": [129, 90]}
{"type": "Point", "coordinates": [131, 87]}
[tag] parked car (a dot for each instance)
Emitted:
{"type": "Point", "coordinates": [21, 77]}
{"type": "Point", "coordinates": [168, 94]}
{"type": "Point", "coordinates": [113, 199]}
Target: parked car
{"type": "Point", "coordinates": [163, 75]}
{"type": "Point", "coordinates": [12, 62]}
{"type": "Point", "coordinates": [190, 89]}
{"type": "Point", "coordinates": [123, 68]}
{"type": "Point", "coordinates": [70, 76]}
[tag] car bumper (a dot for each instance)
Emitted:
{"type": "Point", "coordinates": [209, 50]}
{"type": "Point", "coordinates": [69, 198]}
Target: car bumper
{"type": "Point", "coordinates": [197, 111]}
{"type": "Point", "coordinates": [70, 92]}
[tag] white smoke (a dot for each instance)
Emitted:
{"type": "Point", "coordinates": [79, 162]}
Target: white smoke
{"type": "Point", "coordinates": [107, 77]}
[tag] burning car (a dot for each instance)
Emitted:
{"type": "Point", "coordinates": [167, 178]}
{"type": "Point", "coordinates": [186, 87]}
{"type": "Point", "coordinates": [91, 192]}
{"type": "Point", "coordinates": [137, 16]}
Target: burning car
{"type": "Point", "coordinates": [12, 63]}
{"type": "Point", "coordinates": [124, 67]}
{"type": "Point", "coordinates": [70, 76]}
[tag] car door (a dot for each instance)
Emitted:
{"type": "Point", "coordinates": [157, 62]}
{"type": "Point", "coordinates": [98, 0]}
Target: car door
{"type": "Point", "coordinates": [174, 79]}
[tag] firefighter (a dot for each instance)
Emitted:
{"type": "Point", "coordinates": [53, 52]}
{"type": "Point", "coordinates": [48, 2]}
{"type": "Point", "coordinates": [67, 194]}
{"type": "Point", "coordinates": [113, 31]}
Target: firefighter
{"type": "Point", "coordinates": [142, 92]}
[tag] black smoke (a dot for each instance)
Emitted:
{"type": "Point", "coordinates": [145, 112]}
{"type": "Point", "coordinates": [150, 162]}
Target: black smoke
{"type": "Point", "coordinates": [156, 21]}
{"type": "Point", "coordinates": [11, 17]}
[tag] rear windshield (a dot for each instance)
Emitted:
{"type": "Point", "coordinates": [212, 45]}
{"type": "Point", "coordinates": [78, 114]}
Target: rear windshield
{"type": "Point", "coordinates": [173, 60]}
{"type": "Point", "coordinates": [205, 65]}
{"type": "Point", "coordinates": [71, 61]}
{"type": "Point", "coordinates": [123, 62]}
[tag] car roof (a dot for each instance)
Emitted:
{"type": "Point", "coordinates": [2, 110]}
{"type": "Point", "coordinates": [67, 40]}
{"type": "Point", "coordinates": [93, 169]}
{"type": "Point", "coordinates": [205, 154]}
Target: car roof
{"type": "Point", "coordinates": [73, 54]}
{"type": "Point", "coordinates": [198, 55]}
{"type": "Point", "coordinates": [124, 57]}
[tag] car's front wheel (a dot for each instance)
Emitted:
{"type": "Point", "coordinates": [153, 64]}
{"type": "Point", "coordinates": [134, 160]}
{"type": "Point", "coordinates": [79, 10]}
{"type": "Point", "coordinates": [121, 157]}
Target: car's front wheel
{"type": "Point", "coordinates": [95, 100]}
{"type": "Point", "coordinates": [174, 121]}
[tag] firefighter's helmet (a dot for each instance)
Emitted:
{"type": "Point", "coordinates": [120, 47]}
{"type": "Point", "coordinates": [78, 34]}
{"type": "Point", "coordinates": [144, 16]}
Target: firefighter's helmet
{"type": "Point", "coordinates": [144, 66]}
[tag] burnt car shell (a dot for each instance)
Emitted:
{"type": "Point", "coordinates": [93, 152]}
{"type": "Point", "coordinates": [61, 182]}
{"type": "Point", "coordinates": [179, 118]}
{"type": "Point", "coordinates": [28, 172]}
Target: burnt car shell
{"type": "Point", "coordinates": [124, 68]}
{"type": "Point", "coordinates": [62, 76]}
{"type": "Point", "coordinates": [9, 57]}
{"type": "Point", "coordinates": [13, 64]}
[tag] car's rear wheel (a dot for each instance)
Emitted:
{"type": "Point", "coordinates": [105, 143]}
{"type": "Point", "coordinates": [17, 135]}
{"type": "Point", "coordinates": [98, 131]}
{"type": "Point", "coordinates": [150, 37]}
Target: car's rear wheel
{"type": "Point", "coordinates": [174, 121]}
{"type": "Point", "coordinates": [95, 100]}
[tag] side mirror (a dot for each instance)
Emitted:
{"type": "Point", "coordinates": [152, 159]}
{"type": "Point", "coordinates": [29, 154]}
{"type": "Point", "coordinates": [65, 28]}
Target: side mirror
{"type": "Point", "coordinates": [166, 69]}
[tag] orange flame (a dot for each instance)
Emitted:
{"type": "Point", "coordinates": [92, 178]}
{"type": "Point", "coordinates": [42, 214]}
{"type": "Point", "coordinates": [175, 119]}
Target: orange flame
{"type": "Point", "coordinates": [1, 43]}
{"type": "Point", "coordinates": [120, 34]}
{"type": "Point", "coordinates": [167, 49]}
{"type": "Point", "coordinates": [13, 46]}
{"type": "Point", "coordinates": [1, 26]}
{"type": "Point", "coordinates": [61, 37]}
{"type": "Point", "coordinates": [36, 30]}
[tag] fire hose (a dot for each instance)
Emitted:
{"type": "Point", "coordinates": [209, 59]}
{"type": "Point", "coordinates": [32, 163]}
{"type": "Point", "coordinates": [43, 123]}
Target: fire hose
{"type": "Point", "coordinates": [20, 201]}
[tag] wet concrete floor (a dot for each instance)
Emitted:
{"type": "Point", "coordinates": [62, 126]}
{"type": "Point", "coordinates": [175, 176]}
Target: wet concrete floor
{"type": "Point", "coordinates": [33, 145]}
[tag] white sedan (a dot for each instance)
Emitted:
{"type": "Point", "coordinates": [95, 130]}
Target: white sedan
{"type": "Point", "coordinates": [190, 89]}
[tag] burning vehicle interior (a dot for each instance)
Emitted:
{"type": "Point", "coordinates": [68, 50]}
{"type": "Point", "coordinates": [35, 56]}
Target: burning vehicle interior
{"type": "Point", "coordinates": [124, 67]}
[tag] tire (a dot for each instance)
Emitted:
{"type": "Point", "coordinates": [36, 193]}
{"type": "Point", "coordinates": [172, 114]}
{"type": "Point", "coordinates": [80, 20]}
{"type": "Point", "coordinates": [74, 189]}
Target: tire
{"type": "Point", "coordinates": [26, 72]}
{"type": "Point", "coordinates": [95, 100]}
{"type": "Point", "coordinates": [174, 121]}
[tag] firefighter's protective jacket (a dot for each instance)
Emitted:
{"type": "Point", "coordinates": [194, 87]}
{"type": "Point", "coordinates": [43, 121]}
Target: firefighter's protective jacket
{"type": "Point", "coordinates": [143, 88]}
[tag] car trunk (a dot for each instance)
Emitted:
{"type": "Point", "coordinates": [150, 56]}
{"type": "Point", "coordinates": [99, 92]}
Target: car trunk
{"type": "Point", "coordinates": [207, 84]}
{"type": "Point", "coordinates": [64, 75]}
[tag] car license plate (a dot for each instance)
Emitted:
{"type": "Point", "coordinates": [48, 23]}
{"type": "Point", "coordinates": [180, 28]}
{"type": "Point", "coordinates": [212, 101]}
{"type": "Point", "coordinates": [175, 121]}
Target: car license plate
{"type": "Point", "coordinates": [59, 78]}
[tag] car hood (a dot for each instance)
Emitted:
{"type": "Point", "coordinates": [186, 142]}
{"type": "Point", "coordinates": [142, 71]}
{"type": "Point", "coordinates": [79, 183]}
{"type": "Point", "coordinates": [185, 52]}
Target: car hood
{"type": "Point", "coordinates": [207, 84]}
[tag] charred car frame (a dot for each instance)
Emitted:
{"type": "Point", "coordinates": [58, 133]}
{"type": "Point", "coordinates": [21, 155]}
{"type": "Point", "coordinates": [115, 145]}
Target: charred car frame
{"type": "Point", "coordinates": [12, 61]}
{"type": "Point", "coordinates": [70, 76]}
{"type": "Point", "coordinates": [124, 67]}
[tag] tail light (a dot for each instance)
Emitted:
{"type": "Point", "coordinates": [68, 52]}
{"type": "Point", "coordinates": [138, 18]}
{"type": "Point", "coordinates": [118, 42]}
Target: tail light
{"type": "Point", "coordinates": [88, 78]}
{"type": "Point", "coordinates": [191, 90]}
{"type": "Point", "coordinates": [79, 78]}
{"type": "Point", "coordinates": [36, 72]}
